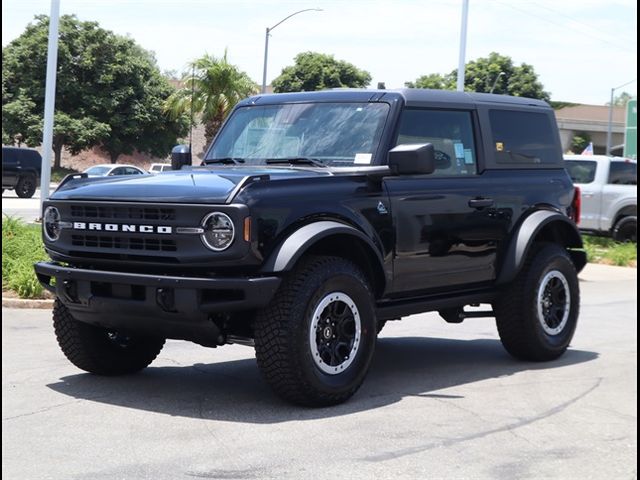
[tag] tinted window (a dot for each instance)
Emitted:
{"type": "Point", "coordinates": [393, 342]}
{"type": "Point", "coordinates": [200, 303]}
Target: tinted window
{"type": "Point", "coordinates": [581, 171]}
{"type": "Point", "coordinates": [623, 173]}
{"type": "Point", "coordinates": [131, 171]}
{"type": "Point", "coordinates": [117, 171]}
{"type": "Point", "coordinates": [451, 134]}
{"type": "Point", "coordinates": [524, 138]}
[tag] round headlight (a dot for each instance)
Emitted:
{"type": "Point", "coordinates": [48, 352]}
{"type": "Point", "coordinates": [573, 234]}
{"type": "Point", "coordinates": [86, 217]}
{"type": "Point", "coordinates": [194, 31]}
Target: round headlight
{"type": "Point", "coordinates": [218, 231]}
{"type": "Point", "coordinates": [51, 223]}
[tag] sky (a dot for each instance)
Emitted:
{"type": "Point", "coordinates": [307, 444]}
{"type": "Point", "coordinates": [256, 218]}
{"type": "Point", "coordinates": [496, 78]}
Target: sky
{"type": "Point", "coordinates": [580, 49]}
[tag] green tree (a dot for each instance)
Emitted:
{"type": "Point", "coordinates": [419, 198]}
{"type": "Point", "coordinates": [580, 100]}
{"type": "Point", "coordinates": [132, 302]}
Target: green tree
{"type": "Point", "coordinates": [579, 142]}
{"type": "Point", "coordinates": [317, 71]}
{"type": "Point", "coordinates": [621, 100]}
{"type": "Point", "coordinates": [217, 87]}
{"type": "Point", "coordinates": [109, 91]}
{"type": "Point", "coordinates": [497, 72]}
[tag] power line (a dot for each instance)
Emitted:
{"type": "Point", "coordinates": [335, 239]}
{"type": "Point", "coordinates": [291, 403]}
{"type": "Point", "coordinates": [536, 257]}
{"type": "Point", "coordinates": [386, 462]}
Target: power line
{"type": "Point", "coordinates": [564, 26]}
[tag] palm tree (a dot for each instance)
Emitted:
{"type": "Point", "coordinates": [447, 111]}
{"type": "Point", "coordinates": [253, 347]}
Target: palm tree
{"type": "Point", "coordinates": [217, 87]}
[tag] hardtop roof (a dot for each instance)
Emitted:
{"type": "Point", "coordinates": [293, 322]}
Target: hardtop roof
{"type": "Point", "coordinates": [410, 96]}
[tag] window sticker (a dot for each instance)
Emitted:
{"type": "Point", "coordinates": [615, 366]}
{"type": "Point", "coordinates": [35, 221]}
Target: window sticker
{"type": "Point", "coordinates": [362, 159]}
{"type": "Point", "coordinates": [499, 146]}
{"type": "Point", "coordinates": [468, 156]}
{"type": "Point", "coordinates": [459, 148]}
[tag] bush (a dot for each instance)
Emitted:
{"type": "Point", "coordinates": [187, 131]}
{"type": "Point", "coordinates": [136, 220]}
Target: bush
{"type": "Point", "coordinates": [57, 174]}
{"type": "Point", "coordinates": [21, 248]}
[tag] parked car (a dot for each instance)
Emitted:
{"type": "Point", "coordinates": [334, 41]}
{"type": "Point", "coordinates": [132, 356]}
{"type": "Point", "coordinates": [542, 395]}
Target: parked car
{"type": "Point", "coordinates": [20, 170]}
{"type": "Point", "coordinates": [108, 170]}
{"type": "Point", "coordinates": [316, 218]}
{"type": "Point", "coordinates": [609, 194]}
{"type": "Point", "coordinates": [156, 168]}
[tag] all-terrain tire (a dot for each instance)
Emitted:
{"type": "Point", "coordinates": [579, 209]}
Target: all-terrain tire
{"type": "Point", "coordinates": [537, 314]}
{"type": "Point", "coordinates": [626, 229]}
{"type": "Point", "coordinates": [289, 333]}
{"type": "Point", "coordinates": [100, 351]}
{"type": "Point", "coordinates": [26, 186]}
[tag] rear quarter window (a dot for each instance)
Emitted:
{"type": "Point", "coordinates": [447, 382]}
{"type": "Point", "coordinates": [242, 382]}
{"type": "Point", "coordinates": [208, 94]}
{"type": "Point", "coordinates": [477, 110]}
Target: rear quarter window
{"type": "Point", "coordinates": [581, 171]}
{"type": "Point", "coordinates": [523, 138]}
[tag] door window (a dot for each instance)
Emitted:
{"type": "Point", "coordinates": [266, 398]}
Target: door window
{"type": "Point", "coordinates": [623, 173]}
{"type": "Point", "coordinates": [450, 132]}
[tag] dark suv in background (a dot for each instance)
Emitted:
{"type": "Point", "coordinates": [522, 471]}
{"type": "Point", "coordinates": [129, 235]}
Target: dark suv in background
{"type": "Point", "coordinates": [315, 218]}
{"type": "Point", "coordinates": [20, 170]}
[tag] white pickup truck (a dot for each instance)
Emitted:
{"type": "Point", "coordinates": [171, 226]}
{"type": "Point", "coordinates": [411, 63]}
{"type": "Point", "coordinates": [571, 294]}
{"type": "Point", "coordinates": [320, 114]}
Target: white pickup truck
{"type": "Point", "coordinates": [609, 194]}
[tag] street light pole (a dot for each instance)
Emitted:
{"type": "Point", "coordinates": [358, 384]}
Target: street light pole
{"type": "Point", "coordinates": [266, 43]}
{"type": "Point", "coordinates": [463, 45]}
{"type": "Point", "coordinates": [496, 82]}
{"type": "Point", "coordinates": [607, 152]}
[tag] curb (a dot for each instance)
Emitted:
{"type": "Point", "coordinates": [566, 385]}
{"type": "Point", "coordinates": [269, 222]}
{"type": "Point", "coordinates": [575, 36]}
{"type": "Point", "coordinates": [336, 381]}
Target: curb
{"type": "Point", "coordinates": [26, 303]}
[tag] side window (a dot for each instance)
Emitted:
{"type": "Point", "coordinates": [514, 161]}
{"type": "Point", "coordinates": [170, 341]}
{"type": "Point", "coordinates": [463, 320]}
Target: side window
{"type": "Point", "coordinates": [581, 171]}
{"type": "Point", "coordinates": [450, 132]}
{"type": "Point", "coordinates": [117, 171]}
{"type": "Point", "coordinates": [623, 173]}
{"type": "Point", "coordinates": [524, 138]}
{"type": "Point", "coordinates": [131, 171]}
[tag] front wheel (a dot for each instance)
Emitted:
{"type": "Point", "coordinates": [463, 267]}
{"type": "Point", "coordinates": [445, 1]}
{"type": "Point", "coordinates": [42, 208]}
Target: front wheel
{"type": "Point", "coordinates": [101, 351]}
{"type": "Point", "coordinates": [538, 313]}
{"type": "Point", "coordinates": [315, 340]}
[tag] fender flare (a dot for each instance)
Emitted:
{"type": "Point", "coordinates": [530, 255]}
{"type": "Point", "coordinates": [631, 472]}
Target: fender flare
{"type": "Point", "coordinates": [522, 240]}
{"type": "Point", "coordinates": [285, 255]}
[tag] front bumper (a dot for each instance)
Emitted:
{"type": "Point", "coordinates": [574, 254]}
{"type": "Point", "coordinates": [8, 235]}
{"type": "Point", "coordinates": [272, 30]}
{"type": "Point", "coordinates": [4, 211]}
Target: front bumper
{"type": "Point", "coordinates": [171, 306]}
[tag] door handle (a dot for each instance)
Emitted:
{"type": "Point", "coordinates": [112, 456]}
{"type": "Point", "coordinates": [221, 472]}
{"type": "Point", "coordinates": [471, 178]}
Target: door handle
{"type": "Point", "coordinates": [481, 202]}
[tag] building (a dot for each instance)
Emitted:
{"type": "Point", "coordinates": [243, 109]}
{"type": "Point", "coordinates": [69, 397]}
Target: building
{"type": "Point", "coordinates": [593, 120]}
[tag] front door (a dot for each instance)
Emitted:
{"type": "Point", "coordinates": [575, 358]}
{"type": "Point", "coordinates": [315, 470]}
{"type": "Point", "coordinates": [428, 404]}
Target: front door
{"type": "Point", "coordinates": [448, 225]}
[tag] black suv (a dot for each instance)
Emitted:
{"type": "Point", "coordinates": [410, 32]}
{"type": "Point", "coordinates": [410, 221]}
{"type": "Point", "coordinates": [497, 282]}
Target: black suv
{"type": "Point", "coordinates": [20, 170]}
{"type": "Point", "coordinates": [314, 219]}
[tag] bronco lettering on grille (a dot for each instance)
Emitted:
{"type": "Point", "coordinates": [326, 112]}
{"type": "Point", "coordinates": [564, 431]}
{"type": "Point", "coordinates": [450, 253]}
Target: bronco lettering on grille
{"type": "Point", "coordinates": [121, 227]}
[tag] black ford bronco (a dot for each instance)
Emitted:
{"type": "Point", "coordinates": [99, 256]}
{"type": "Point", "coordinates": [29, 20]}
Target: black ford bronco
{"type": "Point", "coordinates": [314, 219]}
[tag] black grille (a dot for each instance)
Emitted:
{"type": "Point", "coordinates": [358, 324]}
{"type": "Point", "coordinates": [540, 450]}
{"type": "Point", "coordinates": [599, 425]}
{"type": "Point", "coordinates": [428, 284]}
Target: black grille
{"type": "Point", "coordinates": [122, 213]}
{"type": "Point", "coordinates": [124, 243]}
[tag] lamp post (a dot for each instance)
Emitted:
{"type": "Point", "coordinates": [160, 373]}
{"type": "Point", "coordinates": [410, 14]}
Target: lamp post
{"type": "Point", "coordinates": [463, 45]}
{"type": "Point", "coordinates": [496, 82]}
{"type": "Point", "coordinates": [266, 43]}
{"type": "Point", "coordinates": [611, 115]}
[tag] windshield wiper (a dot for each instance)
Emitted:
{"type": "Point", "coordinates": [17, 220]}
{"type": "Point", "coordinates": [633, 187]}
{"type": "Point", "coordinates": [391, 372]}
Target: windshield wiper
{"type": "Point", "coordinates": [296, 161]}
{"type": "Point", "coordinates": [224, 160]}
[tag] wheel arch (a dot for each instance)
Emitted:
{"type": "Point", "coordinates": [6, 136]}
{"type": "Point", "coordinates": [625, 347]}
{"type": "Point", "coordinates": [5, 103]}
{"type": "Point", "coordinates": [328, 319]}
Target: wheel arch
{"type": "Point", "coordinates": [541, 226]}
{"type": "Point", "coordinates": [328, 237]}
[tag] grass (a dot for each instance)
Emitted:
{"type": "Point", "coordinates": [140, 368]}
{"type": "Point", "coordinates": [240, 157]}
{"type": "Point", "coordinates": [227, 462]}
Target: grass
{"type": "Point", "coordinates": [607, 251]}
{"type": "Point", "coordinates": [57, 174]}
{"type": "Point", "coordinates": [21, 248]}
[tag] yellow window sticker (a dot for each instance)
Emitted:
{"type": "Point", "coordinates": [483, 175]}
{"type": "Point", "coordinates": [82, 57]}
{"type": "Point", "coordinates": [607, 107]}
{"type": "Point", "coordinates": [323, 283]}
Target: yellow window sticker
{"type": "Point", "coordinates": [499, 146]}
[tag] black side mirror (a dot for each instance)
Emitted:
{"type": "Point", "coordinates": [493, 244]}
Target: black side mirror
{"type": "Point", "coordinates": [180, 156]}
{"type": "Point", "coordinates": [412, 159]}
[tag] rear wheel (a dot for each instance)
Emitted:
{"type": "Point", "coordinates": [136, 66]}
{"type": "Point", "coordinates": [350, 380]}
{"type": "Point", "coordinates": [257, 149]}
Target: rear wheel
{"type": "Point", "coordinates": [538, 313]}
{"type": "Point", "coordinates": [626, 230]}
{"type": "Point", "coordinates": [315, 340]}
{"type": "Point", "coordinates": [101, 351]}
{"type": "Point", "coordinates": [26, 186]}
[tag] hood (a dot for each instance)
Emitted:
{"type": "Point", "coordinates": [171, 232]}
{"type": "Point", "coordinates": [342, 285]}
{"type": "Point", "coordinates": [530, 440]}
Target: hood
{"type": "Point", "coordinates": [198, 185]}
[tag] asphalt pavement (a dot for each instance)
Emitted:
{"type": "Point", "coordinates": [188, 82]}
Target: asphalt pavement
{"type": "Point", "coordinates": [441, 402]}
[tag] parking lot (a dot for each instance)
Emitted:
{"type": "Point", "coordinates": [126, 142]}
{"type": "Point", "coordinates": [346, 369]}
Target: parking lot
{"type": "Point", "coordinates": [27, 209]}
{"type": "Point", "coordinates": [441, 401]}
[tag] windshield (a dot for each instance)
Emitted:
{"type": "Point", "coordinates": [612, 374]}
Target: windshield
{"type": "Point", "coordinates": [97, 170]}
{"type": "Point", "coordinates": [335, 134]}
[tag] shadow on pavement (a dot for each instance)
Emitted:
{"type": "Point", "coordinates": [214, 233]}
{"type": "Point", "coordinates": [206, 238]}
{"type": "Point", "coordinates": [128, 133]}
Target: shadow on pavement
{"type": "Point", "coordinates": [234, 391]}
